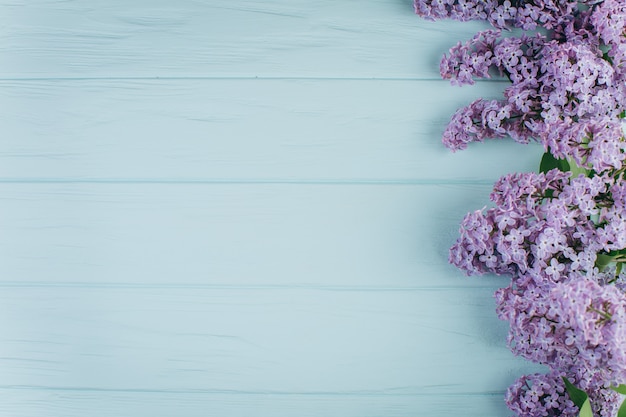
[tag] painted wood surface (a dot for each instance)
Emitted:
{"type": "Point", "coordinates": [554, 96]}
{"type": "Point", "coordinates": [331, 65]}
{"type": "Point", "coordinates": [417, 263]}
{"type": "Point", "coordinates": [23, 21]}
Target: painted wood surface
{"type": "Point", "coordinates": [221, 38]}
{"type": "Point", "coordinates": [216, 208]}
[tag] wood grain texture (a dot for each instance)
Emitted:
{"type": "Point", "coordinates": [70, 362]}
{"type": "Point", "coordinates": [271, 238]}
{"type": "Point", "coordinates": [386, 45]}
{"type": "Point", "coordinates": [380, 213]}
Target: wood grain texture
{"type": "Point", "coordinates": [236, 130]}
{"type": "Point", "coordinates": [317, 235]}
{"type": "Point", "coordinates": [222, 38]}
{"type": "Point", "coordinates": [288, 346]}
{"type": "Point", "coordinates": [240, 208]}
{"type": "Point", "coordinates": [252, 340]}
{"type": "Point", "coordinates": [308, 296]}
{"type": "Point", "coordinates": [28, 401]}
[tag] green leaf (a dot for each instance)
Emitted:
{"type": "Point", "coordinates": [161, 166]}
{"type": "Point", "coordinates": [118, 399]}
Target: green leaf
{"type": "Point", "coordinates": [585, 410]}
{"type": "Point", "coordinates": [622, 409]}
{"type": "Point", "coordinates": [620, 388]}
{"type": "Point", "coordinates": [605, 53]}
{"type": "Point", "coordinates": [578, 396]}
{"type": "Point", "coordinates": [549, 162]}
{"type": "Point", "coordinates": [576, 170]}
{"type": "Point", "coordinates": [603, 260]}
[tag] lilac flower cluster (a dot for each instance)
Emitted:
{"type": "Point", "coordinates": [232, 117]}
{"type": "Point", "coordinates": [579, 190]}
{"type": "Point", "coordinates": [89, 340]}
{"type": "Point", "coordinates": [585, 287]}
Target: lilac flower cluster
{"type": "Point", "coordinates": [540, 395]}
{"type": "Point", "coordinates": [574, 326]}
{"type": "Point", "coordinates": [568, 84]}
{"type": "Point", "coordinates": [543, 395]}
{"type": "Point", "coordinates": [548, 231]}
{"type": "Point", "coordinates": [543, 227]}
{"type": "Point", "coordinates": [561, 233]}
{"type": "Point", "coordinates": [523, 14]}
{"type": "Point", "coordinates": [527, 14]}
{"type": "Point", "coordinates": [558, 90]}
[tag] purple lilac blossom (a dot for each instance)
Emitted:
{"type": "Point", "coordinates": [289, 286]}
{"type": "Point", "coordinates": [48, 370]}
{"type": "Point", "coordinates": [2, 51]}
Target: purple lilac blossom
{"type": "Point", "coordinates": [480, 120]}
{"type": "Point", "coordinates": [562, 94]}
{"type": "Point", "coordinates": [544, 226]}
{"type": "Point", "coordinates": [500, 13]}
{"type": "Point", "coordinates": [471, 59]}
{"type": "Point", "coordinates": [569, 83]}
{"type": "Point", "coordinates": [540, 395]}
{"type": "Point", "coordinates": [553, 233]}
{"type": "Point", "coordinates": [564, 312]}
{"type": "Point", "coordinates": [576, 327]}
{"type": "Point", "coordinates": [596, 144]}
{"type": "Point", "coordinates": [544, 395]}
{"type": "Point", "coordinates": [609, 21]}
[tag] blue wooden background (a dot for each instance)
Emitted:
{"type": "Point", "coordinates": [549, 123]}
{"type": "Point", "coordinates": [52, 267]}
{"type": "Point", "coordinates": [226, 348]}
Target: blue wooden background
{"type": "Point", "coordinates": [240, 208]}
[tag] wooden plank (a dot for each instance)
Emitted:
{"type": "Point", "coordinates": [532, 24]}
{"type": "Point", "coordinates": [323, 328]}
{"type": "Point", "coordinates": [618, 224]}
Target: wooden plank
{"type": "Point", "coordinates": [253, 342]}
{"type": "Point", "coordinates": [352, 236]}
{"type": "Point", "coordinates": [79, 403]}
{"type": "Point", "coordinates": [239, 208]}
{"type": "Point", "coordinates": [222, 38]}
{"type": "Point", "coordinates": [243, 130]}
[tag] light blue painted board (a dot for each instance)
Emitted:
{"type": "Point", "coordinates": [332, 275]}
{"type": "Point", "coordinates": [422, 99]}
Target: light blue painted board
{"type": "Point", "coordinates": [26, 402]}
{"type": "Point", "coordinates": [221, 38]}
{"type": "Point", "coordinates": [330, 294]}
{"type": "Point", "coordinates": [180, 178]}
{"type": "Point", "coordinates": [251, 235]}
{"type": "Point", "coordinates": [280, 343]}
{"type": "Point", "coordinates": [244, 130]}
{"type": "Point", "coordinates": [253, 340]}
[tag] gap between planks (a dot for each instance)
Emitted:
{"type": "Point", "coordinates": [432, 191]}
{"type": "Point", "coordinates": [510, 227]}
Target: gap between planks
{"type": "Point", "coordinates": [240, 78]}
{"type": "Point", "coordinates": [250, 181]}
{"type": "Point", "coordinates": [243, 287]}
{"type": "Point", "coordinates": [251, 392]}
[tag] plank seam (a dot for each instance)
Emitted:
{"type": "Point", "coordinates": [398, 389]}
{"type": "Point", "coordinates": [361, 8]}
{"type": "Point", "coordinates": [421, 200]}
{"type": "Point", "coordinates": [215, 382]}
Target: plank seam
{"type": "Point", "coordinates": [268, 181]}
{"type": "Point", "coordinates": [250, 392]}
{"type": "Point", "coordinates": [212, 287]}
{"type": "Point", "coordinates": [241, 78]}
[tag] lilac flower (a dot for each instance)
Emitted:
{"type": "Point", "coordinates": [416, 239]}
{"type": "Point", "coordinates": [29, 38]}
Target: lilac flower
{"type": "Point", "coordinates": [564, 89]}
{"type": "Point", "coordinates": [480, 120]}
{"type": "Point", "coordinates": [609, 20]}
{"type": "Point", "coordinates": [501, 13]}
{"type": "Point", "coordinates": [471, 59]}
{"type": "Point", "coordinates": [544, 395]}
{"type": "Point", "coordinates": [575, 327]}
{"type": "Point", "coordinates": [483, 119]}
{"type": "Point", "coordinates": [548, 225]}
{"type": "Point", "coordinates": [561, 236]}
{"type": "Point", "coordinates": [540, 395]}
{"type": "Point", "coordinates": [597, 144]}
